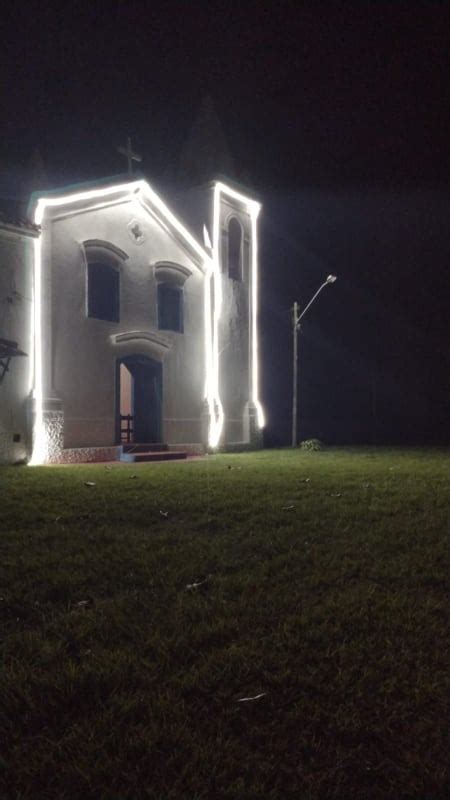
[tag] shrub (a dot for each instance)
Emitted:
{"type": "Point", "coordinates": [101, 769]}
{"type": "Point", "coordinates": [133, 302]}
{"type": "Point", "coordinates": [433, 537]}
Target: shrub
{"type": "Point", "coordinates": [312, 444]}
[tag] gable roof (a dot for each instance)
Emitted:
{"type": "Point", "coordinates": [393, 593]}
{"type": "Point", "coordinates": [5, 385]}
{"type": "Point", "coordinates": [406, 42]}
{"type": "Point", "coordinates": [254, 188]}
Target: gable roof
{"type": "Point", "coordinates": [113, 188]}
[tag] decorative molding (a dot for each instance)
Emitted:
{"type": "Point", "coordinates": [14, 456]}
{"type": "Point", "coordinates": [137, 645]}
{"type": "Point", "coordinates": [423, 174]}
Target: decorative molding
{"type": "Point", "coordinates": [141, 336]}
{"type": "Point", "coordinates": [57, 217]}
{"type": "Point", "coordinates": [172, 273]}
{"type": "Point", "coordinates": [135, 232]}
{"type": "Point", "coordinates": [107, 248]}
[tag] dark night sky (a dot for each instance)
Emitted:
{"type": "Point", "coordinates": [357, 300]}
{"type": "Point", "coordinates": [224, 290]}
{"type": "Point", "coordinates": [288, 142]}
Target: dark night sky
{"type": "Point", "coordinates": [338, 112]}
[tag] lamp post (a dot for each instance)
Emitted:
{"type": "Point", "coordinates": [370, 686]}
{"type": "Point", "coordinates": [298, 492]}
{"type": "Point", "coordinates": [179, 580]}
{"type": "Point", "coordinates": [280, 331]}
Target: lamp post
{"type": "Point", "coordinates": [296, 317]}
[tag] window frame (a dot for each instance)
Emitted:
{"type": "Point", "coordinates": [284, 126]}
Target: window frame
{"type": "Point", "coordinates": [107, 255]}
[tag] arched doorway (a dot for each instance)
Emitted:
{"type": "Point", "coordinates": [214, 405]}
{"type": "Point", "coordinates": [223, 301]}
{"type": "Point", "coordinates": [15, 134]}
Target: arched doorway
{"type": "Point", "coordinates": [138, 400]}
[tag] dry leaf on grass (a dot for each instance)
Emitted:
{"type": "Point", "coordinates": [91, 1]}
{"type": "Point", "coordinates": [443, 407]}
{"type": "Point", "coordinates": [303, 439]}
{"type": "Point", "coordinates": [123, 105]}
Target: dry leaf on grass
{"type": "Point", "coordinates": [197, 584]}
{"type": "Point", "coordinates": [249, 699]}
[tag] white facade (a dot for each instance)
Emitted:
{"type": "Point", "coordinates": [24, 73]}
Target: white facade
{"type": "Point", "coordinates": [175, 343]}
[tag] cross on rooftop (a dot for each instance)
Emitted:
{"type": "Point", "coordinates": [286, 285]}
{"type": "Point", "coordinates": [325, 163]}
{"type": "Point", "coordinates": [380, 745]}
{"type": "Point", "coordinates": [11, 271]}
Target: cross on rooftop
{"type": "Point", "coordinates": [129, 155]}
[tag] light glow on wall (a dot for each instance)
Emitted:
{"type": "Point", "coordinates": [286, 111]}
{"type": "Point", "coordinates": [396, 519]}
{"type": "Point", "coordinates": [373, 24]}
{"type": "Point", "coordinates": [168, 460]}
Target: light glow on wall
{"type": "Point", "coordinates": [255, 352]}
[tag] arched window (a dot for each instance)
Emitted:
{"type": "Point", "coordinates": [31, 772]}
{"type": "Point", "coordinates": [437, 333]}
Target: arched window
{"type": "Point", "coordinates": [103, 262]}
{"type": "Point", "coordinates": [235, 249]}
{"type": "Point", "coordinates": [171, 278]}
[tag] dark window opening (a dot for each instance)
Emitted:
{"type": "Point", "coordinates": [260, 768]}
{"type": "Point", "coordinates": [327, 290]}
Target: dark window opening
{"type": "Point", "coordinates": [235, 250]}
{"type": "Point", "coordinates": [170, 308]}
{"type": "Point", "coordinates": [103, 292]}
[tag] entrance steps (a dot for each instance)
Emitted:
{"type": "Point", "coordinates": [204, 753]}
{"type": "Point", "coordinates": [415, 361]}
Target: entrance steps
{"type": "Point", "coordinates": [151, 451]}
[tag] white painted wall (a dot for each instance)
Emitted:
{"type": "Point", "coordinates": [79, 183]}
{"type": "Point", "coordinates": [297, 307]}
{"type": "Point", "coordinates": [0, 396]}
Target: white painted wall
{"type": "Point", "coordinates": [16, 285]}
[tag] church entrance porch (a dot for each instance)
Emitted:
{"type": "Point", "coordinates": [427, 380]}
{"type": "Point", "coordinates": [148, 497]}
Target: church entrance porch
{"type": "Point", "coordinates": [138, 400]}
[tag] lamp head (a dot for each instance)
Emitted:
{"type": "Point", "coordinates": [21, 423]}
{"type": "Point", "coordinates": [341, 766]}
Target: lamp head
{"type": "Point", "coordinates": [331, 279]}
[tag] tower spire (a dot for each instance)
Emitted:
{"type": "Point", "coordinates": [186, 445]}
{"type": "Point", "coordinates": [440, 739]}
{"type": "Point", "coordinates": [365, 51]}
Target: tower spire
{"type": "Point", "coordinates": [205, 153]}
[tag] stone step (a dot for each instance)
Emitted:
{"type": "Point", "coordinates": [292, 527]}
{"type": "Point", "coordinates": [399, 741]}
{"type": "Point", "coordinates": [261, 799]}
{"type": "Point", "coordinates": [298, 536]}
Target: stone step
{"type": "Point", "coordinates": [153, 455]}
{"type": "Point", "coordinates": [145, 447]}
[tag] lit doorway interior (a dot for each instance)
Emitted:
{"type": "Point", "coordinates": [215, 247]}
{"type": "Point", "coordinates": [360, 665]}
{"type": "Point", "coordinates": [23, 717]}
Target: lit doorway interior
{"type": "Point", "coordinates": [126, 404]}
{"type": "Point", "coordinates": [139, 406]}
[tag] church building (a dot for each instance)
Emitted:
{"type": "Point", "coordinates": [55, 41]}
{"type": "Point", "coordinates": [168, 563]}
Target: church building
{"type": "Point", "coordinates": [129, 323]}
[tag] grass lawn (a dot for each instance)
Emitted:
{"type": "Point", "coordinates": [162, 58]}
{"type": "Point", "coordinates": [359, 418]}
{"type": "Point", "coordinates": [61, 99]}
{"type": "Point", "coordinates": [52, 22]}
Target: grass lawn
{"type": "Point", "coordinates": [137, 613]}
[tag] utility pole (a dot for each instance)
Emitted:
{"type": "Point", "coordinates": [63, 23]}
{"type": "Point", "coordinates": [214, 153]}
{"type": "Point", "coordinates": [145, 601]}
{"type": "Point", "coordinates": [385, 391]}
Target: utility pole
{"type": "Point", "coordinates": [296, 317]}
{"type": "Point", "coordinates": [295, 329]}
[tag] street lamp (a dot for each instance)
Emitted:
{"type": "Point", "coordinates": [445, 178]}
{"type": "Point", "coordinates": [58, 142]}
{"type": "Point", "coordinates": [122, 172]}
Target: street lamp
{"type": "Point", "coordinates": [296, 317]}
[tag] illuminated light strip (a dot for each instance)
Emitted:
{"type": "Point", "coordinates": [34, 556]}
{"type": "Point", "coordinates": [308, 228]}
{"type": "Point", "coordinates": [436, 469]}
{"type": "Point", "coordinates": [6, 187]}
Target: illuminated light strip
{"type": "Point", "coordinates": [252, 205]}
{"type": "Point", "coordinates": [255, 353]}
{"type": "Point", "coordinates": [216, 408]}
{"type": "Point", "coordinates": [209, 354]}
{"type": "Point", "coordinates": [31, 364]}
{"type": "Point", "coordinates": [39, 443]}
{"type": "Point", "coordinates": [208, 346]}
{"type": "Point", "coordinates": [39, 453]}
{"type": "Point", "coordinates": [253, 208]}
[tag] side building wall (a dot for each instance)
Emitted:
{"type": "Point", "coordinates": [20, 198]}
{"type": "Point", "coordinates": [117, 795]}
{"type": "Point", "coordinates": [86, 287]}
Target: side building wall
{"type": "Point", "coordinates": [16, 308]}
